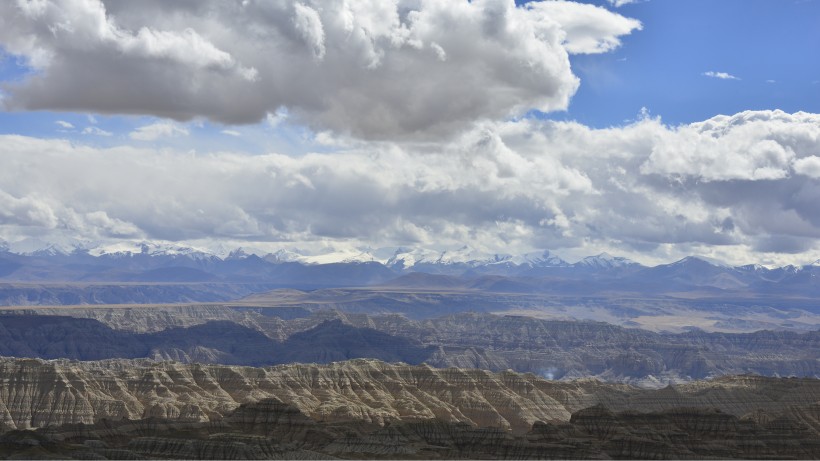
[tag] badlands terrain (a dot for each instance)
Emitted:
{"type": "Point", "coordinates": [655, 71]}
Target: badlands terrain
{"type": "Point", "coordinates": [367, 408]}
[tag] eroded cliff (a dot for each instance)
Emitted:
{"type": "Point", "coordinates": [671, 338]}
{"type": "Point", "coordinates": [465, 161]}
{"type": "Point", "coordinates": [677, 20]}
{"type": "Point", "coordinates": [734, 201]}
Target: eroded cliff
{"type": "Point", "coordinates": [37, 393]}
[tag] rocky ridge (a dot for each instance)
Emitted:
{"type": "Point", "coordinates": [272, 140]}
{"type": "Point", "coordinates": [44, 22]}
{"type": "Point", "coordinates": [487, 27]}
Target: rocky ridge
{"type": "Point", "coordinates": [553, 349]}
{"type": "Point", "coordinates": [37, 393]}
{"type": "Point", "coordinates": [366, 408]}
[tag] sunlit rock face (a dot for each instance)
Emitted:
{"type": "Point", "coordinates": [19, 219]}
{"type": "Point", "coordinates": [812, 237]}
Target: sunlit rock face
{"type": "Point", "coordinates": [38, 393]}
{"type": "Point", "coordinates": [367, 408]}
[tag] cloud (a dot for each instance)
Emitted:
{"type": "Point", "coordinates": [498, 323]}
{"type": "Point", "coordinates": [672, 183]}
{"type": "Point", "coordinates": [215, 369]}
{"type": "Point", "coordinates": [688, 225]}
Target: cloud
{"type": "Point", "coordinates": [720, 75]}
{"type": "Point", "coordinates": [307, 22]}
{"type": "Point", "coordinates": [26, 211]}
{"type": "Point", "coordinates": [370, 69]}
{"type": "Point", "coordinates": [620, 3]}
{"type": "Point", "coordinates": [740, 187]}
{"type": "Point", "coordinates": [751, 145]}
{"type": "Point", "coordinates": [231, 132]}
{"type": "Point", "coordinates": [64, 124]}
{"type": "Point", "coordinates": [808, 166]}
{"type": "Point", "coordinates": [96, 131]}
{"type": "Point", "coordinates": [157, 130]}
{"type": "Point", "coordinates": [589, 29]}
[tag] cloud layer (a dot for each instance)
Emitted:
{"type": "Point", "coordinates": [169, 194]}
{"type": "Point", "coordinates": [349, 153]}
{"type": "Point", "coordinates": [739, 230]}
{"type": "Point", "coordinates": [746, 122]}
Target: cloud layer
{"type": "Point", "coordinates": [373, 69]}
{"type": "Point", "coordinates": [740, 187]}
{"type": "Point", "coordinates": [415, 105]}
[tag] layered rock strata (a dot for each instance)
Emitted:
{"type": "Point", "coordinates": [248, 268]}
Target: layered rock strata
{"type": "Point", "coordinates": [271, 429]}
{"type": "Point", "coordinates": [36, 393]}
{"type": "Point", "coordinates": [552, 349]}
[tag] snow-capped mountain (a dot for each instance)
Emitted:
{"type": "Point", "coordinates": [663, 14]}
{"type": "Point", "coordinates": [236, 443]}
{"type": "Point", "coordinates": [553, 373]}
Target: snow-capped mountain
{"type": "Point", "coordinates": [538, 259]}
{"type": "Point", "coordinates": [604, 261]}
{"type": "Point", "coordinates": [464, 267]}
{"type": "Point", "coordinates": [699, 260]}
{"type": "Point", "coordinates": [339, 256]}
{"type": "Point", "coordinates": [465, 257]}
{"type": "Point", "coordinates": [129, 249]}
{"type": "Point", "coordinates": [39, 247]}
{"type": "Point", "coordinates": [464, 260]}
{"type": "Point", "coordinates": [283, 256]}
{"type": "Point", "coordinates": [406, 258]}
{"type": "Point", "coordinates": [469, 256]}
{"type": "Point", "coordinates": [755, 268]}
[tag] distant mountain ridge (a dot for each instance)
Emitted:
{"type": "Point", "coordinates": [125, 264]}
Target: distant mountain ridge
{"type": "Point", "coordinates": [467, 268]}
{"type": "Point", "coordinates": [399, 259]}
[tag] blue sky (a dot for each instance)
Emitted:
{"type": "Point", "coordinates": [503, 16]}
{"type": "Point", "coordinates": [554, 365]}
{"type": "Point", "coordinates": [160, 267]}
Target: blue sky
{"type": "Point", "coordinates": [769, 45]}
{"type": "Point", "coordinates": [149, 121]}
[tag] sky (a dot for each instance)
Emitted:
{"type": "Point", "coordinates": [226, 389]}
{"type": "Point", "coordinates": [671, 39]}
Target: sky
{"type": "Point", "coordinates": [652, 129]}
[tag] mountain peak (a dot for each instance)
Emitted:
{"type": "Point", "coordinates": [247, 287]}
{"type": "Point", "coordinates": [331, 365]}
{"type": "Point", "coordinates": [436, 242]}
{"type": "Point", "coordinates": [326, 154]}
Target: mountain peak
{"type": "Point", "coordinates": [699, 260]}
{"type": "Point", "coordinates": [283, 256]}
{"type": "Point", "coordinates": [541, 258]}
{"type": "Point", "coordinates": [753, 268]}
{"type": "Point", "coordinates": [238, 253]}
{"type": "Point", "coordinates": [348, 255]}
{"type": "Point", "coordinates": [605, 261]}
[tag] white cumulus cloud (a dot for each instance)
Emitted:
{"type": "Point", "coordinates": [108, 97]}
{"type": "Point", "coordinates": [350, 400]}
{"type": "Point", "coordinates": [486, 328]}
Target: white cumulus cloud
{"type": "Point", "coordinates": [589, 29]}
{"type": "Point", "coordinates": [158, 130]}
{"type": "Point", "coordinates": [370, 68]}
{"type": "Point", "coordinates": [741, 187]}
{"type": "Point", "coordinates": [808, 166]}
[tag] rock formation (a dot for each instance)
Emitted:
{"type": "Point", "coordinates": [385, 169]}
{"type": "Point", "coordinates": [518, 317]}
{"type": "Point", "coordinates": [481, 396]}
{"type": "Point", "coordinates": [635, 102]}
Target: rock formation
{"type": "Point", "coordinates": [37, 393]}
{"type": "Point", "coordinates": [272, 429]}
{"type": "Point", "coordinates": [550, 348]}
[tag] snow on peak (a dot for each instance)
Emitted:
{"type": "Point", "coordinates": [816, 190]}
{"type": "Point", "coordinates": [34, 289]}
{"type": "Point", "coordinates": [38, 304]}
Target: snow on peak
{"type": "Point", "coordinates": [538, 259]}
{"type": "Point", "coordinates": [283, 256]}
{"type": "Point", "coordinates": [605, 261]}
{"type": "Point", "coordinates": [126, 249]}
{"type": "Point", "coordinates": [37, 247]}
{"type": "Point", "coordinates": [753, 268]}
{"type": "Point", "coordinates": [351, 255]}
{"type": "Point", "coordinates": [702, 259]}
{"type": "Point", "coordinates": [405, 258]}
{"type": "Point", "coordinates": [53, 250]}
{"type": "Point", "coordinates": [470, 256]}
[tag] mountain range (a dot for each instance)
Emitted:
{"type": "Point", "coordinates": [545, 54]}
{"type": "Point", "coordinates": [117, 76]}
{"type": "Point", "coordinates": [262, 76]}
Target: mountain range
{"type": "Point", "coordinates": [398, 259]}
{"type": "Point", "coordinates": [464, 268]}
